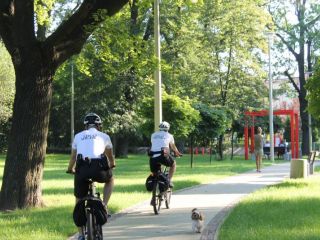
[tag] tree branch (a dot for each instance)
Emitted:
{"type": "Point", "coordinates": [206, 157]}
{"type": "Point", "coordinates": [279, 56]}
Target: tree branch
{"type": "Point", "coordinates": [313, 21]}
{"type": "Point", "coordinates": [286, 72]}
{"type": "Point", "coordinates": [148, 32]}
{"type": "Point", "coordinates": [296, 55]}
{"type": "Point", "coordinates": [16, 16]}
{"type": "Point", "coordinates": [283, 29]}
{"type": "Point", "coordinates": [71, 35]}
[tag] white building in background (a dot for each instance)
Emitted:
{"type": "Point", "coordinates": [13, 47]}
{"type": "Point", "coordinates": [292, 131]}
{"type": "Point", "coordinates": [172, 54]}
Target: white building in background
{"type": "Point", "coordinates": [287, 100]}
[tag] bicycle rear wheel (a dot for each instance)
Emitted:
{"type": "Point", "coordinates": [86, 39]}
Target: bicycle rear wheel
{"type": "Point", "coordinates": [97, 230]}
{"type": "Point", "coordinates": [99, 234]}
{"type": "Point", "coordinates": [89, 225]}
{"type": "Point", "coordinates": [156, 198]}
{"type": "Point", "coordinates": [168, 197]}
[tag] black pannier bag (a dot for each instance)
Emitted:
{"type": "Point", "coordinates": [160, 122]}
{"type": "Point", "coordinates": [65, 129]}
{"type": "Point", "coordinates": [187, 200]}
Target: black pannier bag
{"type": "Point", "coordinates": [149, 182]}
{"type": "Point", "coordinates": [79, 214]}
{"type": "Point", "coordinates": [99, 211]}
{"type": "Point", "coordinates": [163, 182]}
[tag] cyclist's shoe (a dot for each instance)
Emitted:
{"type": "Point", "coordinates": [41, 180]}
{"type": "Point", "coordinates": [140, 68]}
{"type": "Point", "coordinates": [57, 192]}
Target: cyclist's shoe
{"type": "Point", "coordinates": [81, 237]}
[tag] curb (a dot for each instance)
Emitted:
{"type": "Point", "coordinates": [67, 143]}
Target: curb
{"type": "Point", "coordinates": [212, 229]}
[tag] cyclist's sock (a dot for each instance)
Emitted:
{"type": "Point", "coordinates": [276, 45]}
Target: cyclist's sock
{"type": "Point", "coordinates": [81, 237]}
{"type": "Point", "coordinates": [108, 213]}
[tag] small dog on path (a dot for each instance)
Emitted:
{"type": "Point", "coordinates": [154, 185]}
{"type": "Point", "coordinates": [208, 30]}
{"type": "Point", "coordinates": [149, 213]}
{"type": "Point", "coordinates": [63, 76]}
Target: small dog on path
{"type": "Point", "coordinates": [197, 220]}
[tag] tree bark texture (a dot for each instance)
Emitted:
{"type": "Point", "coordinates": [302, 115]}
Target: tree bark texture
{"type": "Point", "coordinates": [35, 62]}
{"type": "Point", "coordinates": [121, 146]}
{"type": "Point", "coordinates": [21, 186]}
{"type": "Point", "coordinates": [220, 147]}
{"type": "Point", "coordinates": [304, 125]}
{"type": "Point", "coordinates": [303, 106]}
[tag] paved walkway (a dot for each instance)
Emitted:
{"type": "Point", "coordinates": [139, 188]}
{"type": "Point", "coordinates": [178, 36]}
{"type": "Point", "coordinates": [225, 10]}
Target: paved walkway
{"type": "Point", "coordinates": [213, 199]}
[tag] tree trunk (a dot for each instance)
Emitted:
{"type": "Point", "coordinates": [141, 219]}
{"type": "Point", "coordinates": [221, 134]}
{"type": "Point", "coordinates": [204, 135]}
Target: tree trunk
{"type": "Point", "coordinates": [303, 106]}
{"type": "Point", "coordinates": [304, 126]}
{"type": "Point", "coordinates": [35, 63]}
{"type": "Point", "coordinates": [121, 146]}
{"type": "Point", "coordinates": [191, 153]}
{"type": "Point", "coordinates": [232, 133]}
{"type": "Point", "coordinates": [220, 147]}
{"type": "Point", "coordinates": [21, 186]}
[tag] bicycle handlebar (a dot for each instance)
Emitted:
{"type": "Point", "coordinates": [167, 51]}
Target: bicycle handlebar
{"type": "Point", "coordinates": [70, 171]}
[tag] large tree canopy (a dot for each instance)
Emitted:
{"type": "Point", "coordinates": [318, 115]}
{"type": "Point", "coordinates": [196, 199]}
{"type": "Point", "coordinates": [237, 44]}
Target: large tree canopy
{"type": "Point", "coordinates": [35, 58]}
{"type": "Point", "coordinates": [297, 27]}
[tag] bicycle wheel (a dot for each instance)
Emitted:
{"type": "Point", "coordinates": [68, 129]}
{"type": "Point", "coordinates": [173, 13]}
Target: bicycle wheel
{"type": "Point", "coordinates": [97, 229]}
{"type": "Point", "coordinates": [89, 225]}
{"type": "Point", "coordinates": [156, 198]}
{"type": "Point", "coordinates": [99, 233]}
{"type": "Point", "coordinates": [168, 197]}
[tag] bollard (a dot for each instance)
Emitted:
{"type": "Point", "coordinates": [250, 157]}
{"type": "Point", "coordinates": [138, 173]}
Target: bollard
{"type": "Point", "coordinates": [299, 168]}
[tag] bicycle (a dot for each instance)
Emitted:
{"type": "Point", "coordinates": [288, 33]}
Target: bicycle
{"type": "Point", "coordinates": [91, 227]}
{"type": "Point", "coordinates": [93, 230]}
{"type": "Point", "coordinates": [161, 191]}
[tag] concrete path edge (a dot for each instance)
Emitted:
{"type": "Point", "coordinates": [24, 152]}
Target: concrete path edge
{"type": "Point", "coordinates": [211, 231]}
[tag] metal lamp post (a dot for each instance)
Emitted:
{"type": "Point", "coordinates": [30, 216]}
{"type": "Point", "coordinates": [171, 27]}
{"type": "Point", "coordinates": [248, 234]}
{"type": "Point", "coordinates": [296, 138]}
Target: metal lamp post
{"type": "Point", "coordinates": [157, 73]}
{"type": "Point", "coordinates": [270, 36]}
{"type": "Point", "coordinates": [72, 104]}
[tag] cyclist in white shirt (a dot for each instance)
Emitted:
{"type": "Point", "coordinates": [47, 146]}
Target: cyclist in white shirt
{"type": "Point", "coordinates": [92, 157]}
{"type": "Point", "coordinates": [162, 141]}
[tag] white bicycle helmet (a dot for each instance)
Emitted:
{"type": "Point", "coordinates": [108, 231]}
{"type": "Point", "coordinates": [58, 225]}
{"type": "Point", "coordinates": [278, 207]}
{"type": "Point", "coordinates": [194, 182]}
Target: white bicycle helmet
{"type": "Point", "coordinates": [92, 119]}
{"type": "Point", "coordinates": [164, 126]}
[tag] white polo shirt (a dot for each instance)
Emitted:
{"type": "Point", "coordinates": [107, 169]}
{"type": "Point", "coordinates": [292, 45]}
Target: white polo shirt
{"type": "Point", "coordinates": [159, 140]}
{"type": "Point", "coordinates": [91, 143]}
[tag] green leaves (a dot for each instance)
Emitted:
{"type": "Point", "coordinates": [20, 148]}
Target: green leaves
{"type": "Point", "coordinates": [178, 112]}
{"type": "Point", "coordinates": [215, 121]}
{"type": "Point", "coordinates": [313, 87]}
{"type": "Point", "coordinates": [43, 9]}
{"type": "Point", "coordinates": [7, 86]}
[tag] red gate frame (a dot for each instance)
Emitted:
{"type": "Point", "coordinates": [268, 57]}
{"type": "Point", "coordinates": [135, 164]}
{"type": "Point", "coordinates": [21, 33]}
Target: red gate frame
{"type": "Point", "coordinates": [294, 127]}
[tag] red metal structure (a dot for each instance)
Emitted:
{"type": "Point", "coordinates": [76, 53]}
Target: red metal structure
{"type": "Point", "coordinates": [294, 126]}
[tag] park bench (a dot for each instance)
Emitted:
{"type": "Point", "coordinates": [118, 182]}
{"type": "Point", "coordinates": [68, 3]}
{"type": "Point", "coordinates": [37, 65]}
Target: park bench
{"type": "Point", "coordinates": [311, 158]}
{"type": "Point", "coordinates": [280, 151]}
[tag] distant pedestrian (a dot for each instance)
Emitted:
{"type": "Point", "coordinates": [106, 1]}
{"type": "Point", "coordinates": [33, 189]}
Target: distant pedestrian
{"type": "Point", "coordinates": [258, 148]}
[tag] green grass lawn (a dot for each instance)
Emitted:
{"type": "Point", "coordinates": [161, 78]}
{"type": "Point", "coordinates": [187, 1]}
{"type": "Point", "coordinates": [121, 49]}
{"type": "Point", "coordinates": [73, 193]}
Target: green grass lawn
{"type": "Point", "coordinates": [55, 220]}
{"type": "Point", "coordinates": [286, 211]}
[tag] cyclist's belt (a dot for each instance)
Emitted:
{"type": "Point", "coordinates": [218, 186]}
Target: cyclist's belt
{"type": "Point", "coordinates": [88, 160]}
{"type": "Point", "coordinates": [91, 159]}
{"type": "Point", "coordinates": [94, 159]}
{"type": "Point", "coordinates": [151, 153]}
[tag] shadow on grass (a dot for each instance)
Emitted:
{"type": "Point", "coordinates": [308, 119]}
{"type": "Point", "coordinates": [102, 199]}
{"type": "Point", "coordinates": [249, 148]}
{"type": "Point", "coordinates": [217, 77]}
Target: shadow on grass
{"type": "Point", "coordinates": [120, 188]}
{"type": "Point", "coordinates": [56, 174]}
{"type": "Point", "coordinates": [35, 222]}
{"type": "Point", "coordinates": [290, 184]}
{"type": "Point", "coordinates": [53, 191]}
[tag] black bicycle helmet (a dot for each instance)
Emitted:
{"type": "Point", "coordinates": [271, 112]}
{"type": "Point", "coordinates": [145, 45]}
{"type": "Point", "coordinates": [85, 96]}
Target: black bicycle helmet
{"type": "Point", "coordinates": [92, 119]}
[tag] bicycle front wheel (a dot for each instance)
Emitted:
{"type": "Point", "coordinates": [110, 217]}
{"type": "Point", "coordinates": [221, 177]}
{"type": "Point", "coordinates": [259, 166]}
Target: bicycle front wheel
{"type": "Point", "coordinates": [168, 197]}
{"type": "Point", "coordinates": [156, 198]}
